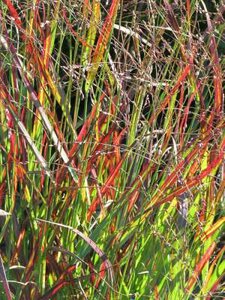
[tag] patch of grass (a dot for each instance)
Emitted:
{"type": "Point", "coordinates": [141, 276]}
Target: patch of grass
{"type": "Point", "coordinates": [112, 149]}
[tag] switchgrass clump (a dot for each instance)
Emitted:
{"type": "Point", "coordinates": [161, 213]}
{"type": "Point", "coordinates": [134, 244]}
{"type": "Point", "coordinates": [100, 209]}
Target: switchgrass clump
{"type": "Point", "coordinates": [112, 139]}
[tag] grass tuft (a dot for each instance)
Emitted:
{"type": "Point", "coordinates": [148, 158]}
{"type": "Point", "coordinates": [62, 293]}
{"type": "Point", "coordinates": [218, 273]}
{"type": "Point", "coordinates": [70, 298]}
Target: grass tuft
{"type": "Point", "coordinates": [112, 140]}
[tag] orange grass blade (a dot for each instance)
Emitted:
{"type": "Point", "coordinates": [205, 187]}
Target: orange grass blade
{"type": "Point", "coordinates": [190, 183]}
{"type": "Point", "coordinates": [200, 265]}
{"type": "Point", "coordinates": [211, 269]}
{"type": "Point", "coordinates": [95, 19]}
{"type": "Point", "coordinates": [209, 232]}
{"type": "Point", "coordinates": [85, 128]}
{"type": "Point", "coordinates": [25, 133]}
{"type": "Point", "coordinates": [107, 186]}
{"type": "Point", "coordinates": [163, 105]}
{"type": "Point", "coordinates": [102, 43]}
{"type": "Point", "coordinates": [33, 95]}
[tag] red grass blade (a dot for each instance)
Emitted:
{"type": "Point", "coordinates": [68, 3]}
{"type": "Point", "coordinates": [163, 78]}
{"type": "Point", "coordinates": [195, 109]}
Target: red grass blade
{"type": "Point", "coordinates": [210, 231]}
{"type": "Point", "coordinates": [13, 13]}
{"type": "Point", "coordinates": [107, 185]}
{"type": "Point", "coordinates": [214, 288]}
{"type": "Point", "coordinates": [191, 182]}
{"type": "Point", "coordinates": [73, 32]}
{"type": "Point", "coordinates": [55, 290]}
{"type": "Point", "coordinates": [205, 258]}
{"type": "Point", "coordinates": [102, 43]}
{"type": "Point", "coordinates": [163, 105]}
{"type": "Point", "coordinates": [216, 66]}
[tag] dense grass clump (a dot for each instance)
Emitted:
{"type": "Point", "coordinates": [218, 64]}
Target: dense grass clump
{"type": "Point", "coordinates": [112, 139]}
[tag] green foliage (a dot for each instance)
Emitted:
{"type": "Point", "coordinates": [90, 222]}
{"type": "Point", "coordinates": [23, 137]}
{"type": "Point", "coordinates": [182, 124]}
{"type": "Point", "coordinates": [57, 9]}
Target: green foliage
{"type": "Point", "coordinates": [112, 139]}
